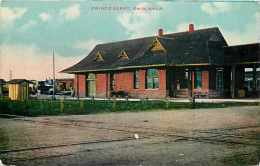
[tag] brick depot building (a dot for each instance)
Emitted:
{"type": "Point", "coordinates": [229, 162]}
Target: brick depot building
{"type": "Point", "coordinates": [195, 62]}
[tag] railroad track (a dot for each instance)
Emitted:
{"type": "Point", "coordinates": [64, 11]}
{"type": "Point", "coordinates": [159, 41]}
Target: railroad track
{"type": "Point", "coordinates": [215, 136]}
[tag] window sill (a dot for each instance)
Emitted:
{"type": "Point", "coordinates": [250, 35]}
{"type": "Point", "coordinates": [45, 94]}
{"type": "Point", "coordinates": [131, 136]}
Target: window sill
{"type": "Point", "coordinates": [151, 88]}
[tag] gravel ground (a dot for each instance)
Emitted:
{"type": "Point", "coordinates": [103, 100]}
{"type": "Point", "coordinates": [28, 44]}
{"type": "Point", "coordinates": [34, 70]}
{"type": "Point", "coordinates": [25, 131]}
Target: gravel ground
{"type": "Point", "coordinates": [225, 136]}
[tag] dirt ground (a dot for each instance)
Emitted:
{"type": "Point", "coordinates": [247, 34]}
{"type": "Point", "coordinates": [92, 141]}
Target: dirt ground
{"type": "Point", "coordinates": [198, 137]}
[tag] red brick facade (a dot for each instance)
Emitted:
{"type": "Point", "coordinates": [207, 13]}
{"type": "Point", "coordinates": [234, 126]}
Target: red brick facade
{"type": "Point", "coordinates": [80, 85]}
{"type": "Point", "coordinates": [204, 84]}
{"type": "Point", "coordinates": [123, 82]}
{"type": "Point", "coordinates": [205, 81]}
{"type": "Point", "coordinates": [142, 92]}
{"type": "Point", "coordinates": [102, 81]}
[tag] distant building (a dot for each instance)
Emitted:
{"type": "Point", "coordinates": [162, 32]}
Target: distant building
{"type": "Point", "coordinates": [194, 62]}
{"type": "Point", "coordinates": [64, 84]}
{"type": "Point", "coordinates": [2, 83]}
{"type": "Point", "coordinates": [18, 89]}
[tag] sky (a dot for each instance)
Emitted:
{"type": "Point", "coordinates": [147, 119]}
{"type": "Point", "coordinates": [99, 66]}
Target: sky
{"type": "Point", "coordinates": [31, 29]}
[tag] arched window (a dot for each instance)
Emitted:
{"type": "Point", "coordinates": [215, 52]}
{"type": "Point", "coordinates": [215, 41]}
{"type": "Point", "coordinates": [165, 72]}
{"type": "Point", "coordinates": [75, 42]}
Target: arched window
{"type": "Point", "coordinates": [152, 79]}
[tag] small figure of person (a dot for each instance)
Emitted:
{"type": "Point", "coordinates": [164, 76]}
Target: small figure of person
{"type": "Point", "coordinates": [72, 92]}
{"type": "Point", "coordinates": [178, 85]}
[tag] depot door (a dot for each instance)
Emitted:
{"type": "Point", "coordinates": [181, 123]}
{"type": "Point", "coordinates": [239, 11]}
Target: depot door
{"type": "Point", "coordinates": [91, 85]}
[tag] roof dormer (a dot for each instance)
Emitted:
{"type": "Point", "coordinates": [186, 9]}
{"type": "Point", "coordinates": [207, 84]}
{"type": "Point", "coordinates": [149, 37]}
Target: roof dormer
{"type": "Point", "coordinates": [157, 46]}
{"type": "Point", "coordinates": [123, 55]}
{"type": "Point", "coordinates": [99, 57]}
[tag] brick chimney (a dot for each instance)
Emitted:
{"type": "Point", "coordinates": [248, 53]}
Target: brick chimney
{"type": "Point", "coordinates": [160, 32]}
{"type": "Point", "coordinates": [191, 27]}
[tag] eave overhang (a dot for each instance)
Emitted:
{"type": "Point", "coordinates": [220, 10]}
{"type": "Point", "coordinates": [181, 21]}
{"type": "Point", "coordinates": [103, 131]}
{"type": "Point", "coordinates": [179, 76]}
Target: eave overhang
{"type": "Point", "coordinates": [137, 67]}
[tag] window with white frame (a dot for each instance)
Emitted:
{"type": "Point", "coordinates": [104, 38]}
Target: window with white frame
{"type": "Point", "coordinates": [152, 79]}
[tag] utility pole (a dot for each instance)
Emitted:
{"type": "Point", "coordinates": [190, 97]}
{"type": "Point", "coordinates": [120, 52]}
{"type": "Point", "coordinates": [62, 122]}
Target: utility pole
{"type": "Point", "coordinates": [53, 74]}
{"type": "Point", "coordinates": [10, 74]}
{"type": "Point", "coordinates": [78, 86]}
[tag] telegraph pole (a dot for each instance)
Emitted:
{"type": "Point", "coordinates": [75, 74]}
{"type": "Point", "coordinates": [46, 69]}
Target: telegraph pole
{"type": "Point", "coordinates": [10, 74]}
{"type": "Point", "coordinates": [53, 74]}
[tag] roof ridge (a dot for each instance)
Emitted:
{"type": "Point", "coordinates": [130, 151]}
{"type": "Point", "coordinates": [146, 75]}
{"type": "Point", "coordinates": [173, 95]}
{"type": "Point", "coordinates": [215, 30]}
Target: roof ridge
{"type": "Point", "coordinates": [165, 35]}
{"type": "Point", "coordinates": [245, 44]}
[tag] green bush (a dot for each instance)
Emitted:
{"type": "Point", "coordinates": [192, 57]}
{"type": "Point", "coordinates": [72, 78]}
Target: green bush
{"type": "Point", "coordinates": [66, 107]}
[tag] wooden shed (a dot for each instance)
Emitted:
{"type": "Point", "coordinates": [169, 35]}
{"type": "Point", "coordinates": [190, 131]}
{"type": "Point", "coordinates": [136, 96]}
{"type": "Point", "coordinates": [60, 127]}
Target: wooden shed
{"type": "Point", "coordinates": [18, 89]}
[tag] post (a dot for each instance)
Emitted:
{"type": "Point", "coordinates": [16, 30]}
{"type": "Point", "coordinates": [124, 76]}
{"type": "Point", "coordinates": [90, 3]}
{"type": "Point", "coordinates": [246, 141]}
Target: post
{"type": "Point", "coordinates": [193, 101]}
{"type": "Point", "coordinates": [254, 81]}
{"type": "Point", "coordinates": [81, 105]}
{"type": "Point", "coordinates": [166, 103]}
{"type": "Point", "coordinates": [107, 85]}
{"type": "Point", "coordinates": [192, 96]}
{"type": "Point", "coordinates": [10, 74]}
{"type": "Point", "coordinates": [114, 104]}
{"type": "Point", "coordinates": [190, 83]}
{"type": "Point", "coordinates": [1, 90]}
{"type": "Point", "coordinates": [53, 73]}
{"type": "Point", "coordinates": [78, 86]}
{"type": "Point", "coordinates": [233, 81]}
{"type": "Point", "coordinates": [62, 105]}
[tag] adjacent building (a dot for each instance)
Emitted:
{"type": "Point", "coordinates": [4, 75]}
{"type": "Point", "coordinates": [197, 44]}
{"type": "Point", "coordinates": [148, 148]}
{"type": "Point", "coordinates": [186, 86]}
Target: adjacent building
{"type": "Point", "coordinates": [64, 84]}
{"type": "Point", "coordinates": [194, 62]}
{"type": "Point", "coordinates": [18, 89]}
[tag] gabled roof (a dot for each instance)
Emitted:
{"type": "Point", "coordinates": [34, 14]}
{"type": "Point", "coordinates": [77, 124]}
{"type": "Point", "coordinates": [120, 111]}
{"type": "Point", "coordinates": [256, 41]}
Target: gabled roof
{"type": "Point", "coordinates": [246, 53]}
{"type": "Point", "coordinates": [181, 48]}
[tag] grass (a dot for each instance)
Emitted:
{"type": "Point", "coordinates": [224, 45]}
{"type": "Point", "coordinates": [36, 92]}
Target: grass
{"type": "Point", "coordinates": [67, 107]}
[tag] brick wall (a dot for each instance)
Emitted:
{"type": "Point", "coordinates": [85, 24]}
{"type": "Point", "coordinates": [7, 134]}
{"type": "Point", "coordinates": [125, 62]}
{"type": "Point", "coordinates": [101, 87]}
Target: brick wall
{"type": "Point", "coordinates": [204, 82]}
{"type": "Point", "coordinates": [101, 85]}
{"type": "Point", "coordinates": [123, 82]}
{"type": "Point", "coordinates": [82, 85]}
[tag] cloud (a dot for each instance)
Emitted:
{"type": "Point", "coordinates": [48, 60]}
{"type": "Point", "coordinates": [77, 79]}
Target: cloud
{"type": "Point", "coordinates": [213, 8]}
{"type": "Point", "coordinates": [87, 45]}
{"type": "Point", "coordinates": [258, 2]}
{"type": "Point", "coordinates": [9, 15]}
{"type": "Point", "coordinates": [184, 26]}
{"type": "Point", "coordinates": [28, 61]}
{"type": "Point", "coordinates": [28, 25]}
{"type": "Point", "coordinates": [257, 17]}
{"type": "Point", "coordinates": [250, 34]}
{"type": "Point", "coordinates": [71, 13]}
{"type": "Point", "coordinates": [233, 37]}
{"type": "Point", "coordinates": [45, 16]}
{"type": "Point", "coordinates": [140, 22]}
{"type": "Point", "coordinates": [50, 0]}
